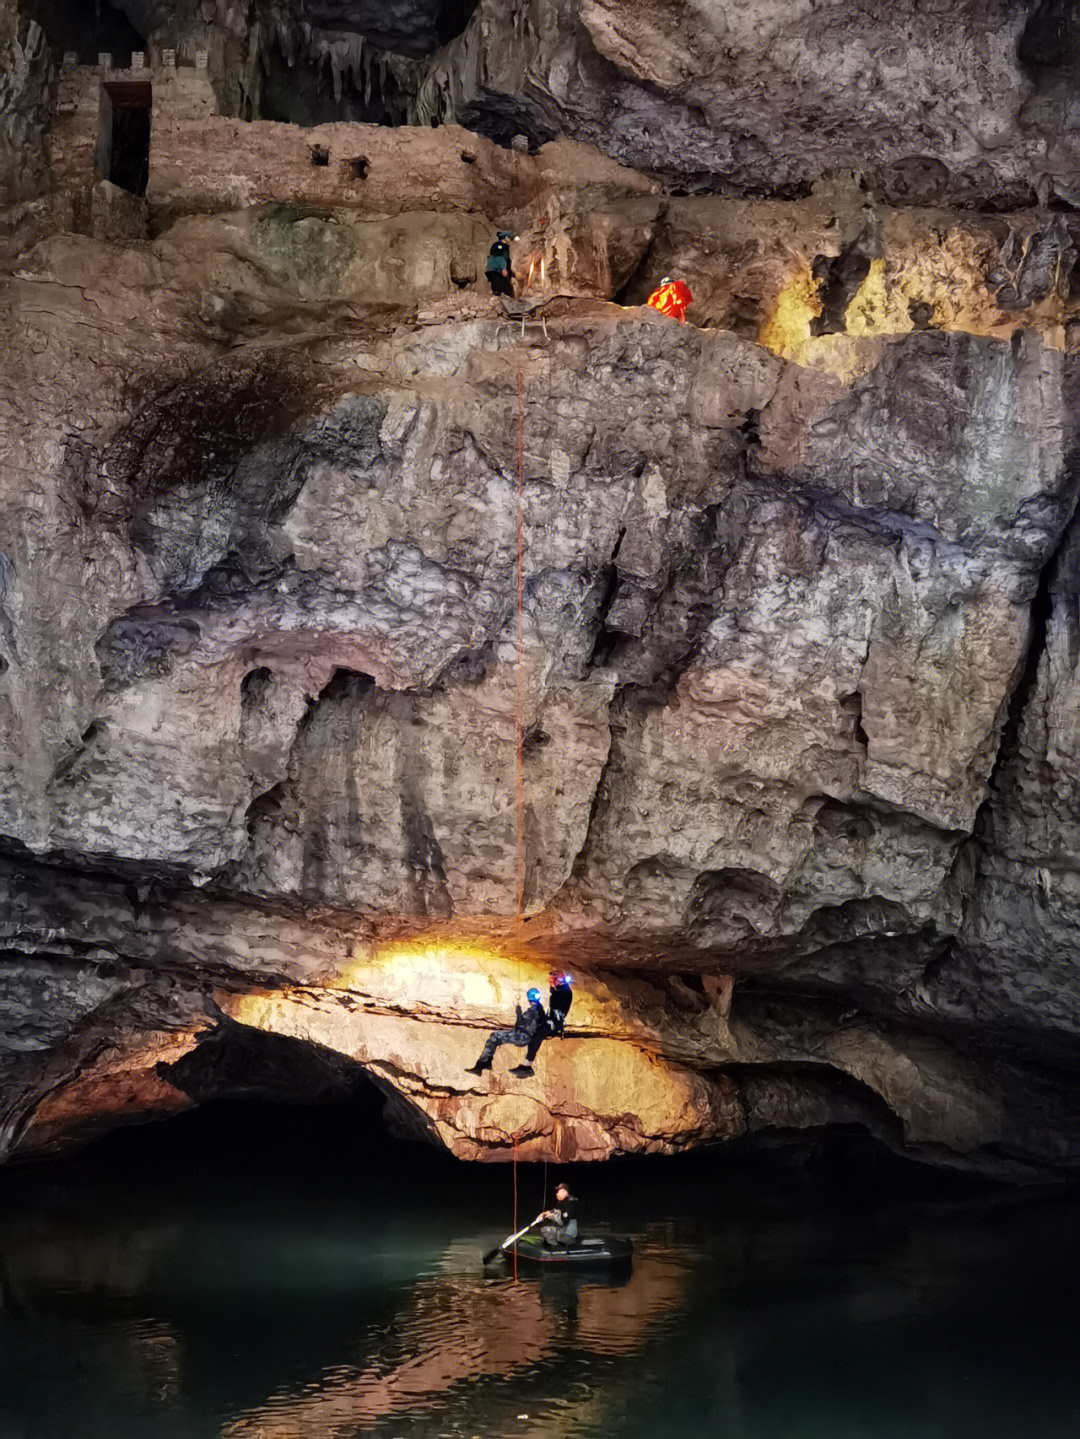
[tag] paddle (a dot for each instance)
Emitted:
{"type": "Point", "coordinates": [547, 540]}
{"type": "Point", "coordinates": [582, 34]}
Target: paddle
{"type": "Point", "coordinates": [490, 1255]}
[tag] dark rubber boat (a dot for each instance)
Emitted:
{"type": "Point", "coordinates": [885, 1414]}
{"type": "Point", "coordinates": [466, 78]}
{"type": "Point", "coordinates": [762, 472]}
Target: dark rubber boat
{"type": "Point", "coordinates": [606, 1253]}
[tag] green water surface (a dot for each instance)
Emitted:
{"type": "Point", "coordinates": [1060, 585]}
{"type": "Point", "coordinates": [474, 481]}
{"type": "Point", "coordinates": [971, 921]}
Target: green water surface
{"type": "Point", "coordinates": [272, 1274]}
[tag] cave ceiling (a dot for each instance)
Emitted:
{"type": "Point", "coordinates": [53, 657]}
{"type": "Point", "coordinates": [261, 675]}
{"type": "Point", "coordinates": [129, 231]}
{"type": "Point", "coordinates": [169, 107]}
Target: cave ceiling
{"type": "Point", "coordinates": [411, 27]}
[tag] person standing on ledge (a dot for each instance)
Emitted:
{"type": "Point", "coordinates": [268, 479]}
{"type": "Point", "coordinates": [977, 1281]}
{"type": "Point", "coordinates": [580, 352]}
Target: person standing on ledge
{"type": "Point", "coordinates": [562, 1228]}
{"type": "Point", "coordinates": [497, 265]}
{"type": "Point", "coordinates": [671, 298]}
{"type": "Point", "coordinates": [560, 998]}
{"type": "Point", "coordinates": [530, 1029]}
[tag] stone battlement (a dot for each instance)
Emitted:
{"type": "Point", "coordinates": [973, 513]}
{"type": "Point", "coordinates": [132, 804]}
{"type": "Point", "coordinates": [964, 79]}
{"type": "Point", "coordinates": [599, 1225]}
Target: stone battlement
{"type": "Point", "coordinates": [202, 162]}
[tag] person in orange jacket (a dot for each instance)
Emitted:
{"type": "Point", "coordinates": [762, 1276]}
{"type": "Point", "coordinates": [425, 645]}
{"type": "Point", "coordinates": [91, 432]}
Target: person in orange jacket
{"type": "Point", "coordinates": [671, 298]}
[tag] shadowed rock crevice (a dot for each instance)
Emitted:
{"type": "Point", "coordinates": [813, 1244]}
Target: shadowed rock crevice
{"type": "Point", "coordinates": [840, 278]}
{"type": "Point", "coordinates": [232, 1060]}
{"type": "Point", "coordinates": [777, 1097]}
{"type": "Point", "coordinates": [1051, 36]}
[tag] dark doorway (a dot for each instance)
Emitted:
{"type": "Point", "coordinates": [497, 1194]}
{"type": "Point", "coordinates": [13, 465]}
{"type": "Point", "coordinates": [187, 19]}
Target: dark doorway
{"type": "Point", "coordinates": [125, 134]}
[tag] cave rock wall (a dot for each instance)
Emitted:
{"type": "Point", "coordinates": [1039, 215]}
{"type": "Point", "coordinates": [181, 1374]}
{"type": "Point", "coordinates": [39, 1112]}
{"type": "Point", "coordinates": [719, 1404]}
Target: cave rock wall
{"type": "Point", "coordinates": [793, 676]}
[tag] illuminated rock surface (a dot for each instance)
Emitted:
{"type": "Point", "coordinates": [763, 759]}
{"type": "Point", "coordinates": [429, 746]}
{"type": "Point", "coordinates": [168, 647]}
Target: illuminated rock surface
{"type": "Point", "coordinates": [799, 619]}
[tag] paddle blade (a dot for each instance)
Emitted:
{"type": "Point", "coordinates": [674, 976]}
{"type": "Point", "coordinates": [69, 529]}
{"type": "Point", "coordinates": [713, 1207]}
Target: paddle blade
{"type": "Point", "coordinates": [499, 1248]}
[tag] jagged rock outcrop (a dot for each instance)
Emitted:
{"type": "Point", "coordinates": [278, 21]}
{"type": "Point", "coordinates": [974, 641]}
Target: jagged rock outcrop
{"type": "Point", "coordinates": [960, 102]}
{"type": "Point", "coordinates": [24, 106]}
{"type": "Point", "coordinates": [794, 678]}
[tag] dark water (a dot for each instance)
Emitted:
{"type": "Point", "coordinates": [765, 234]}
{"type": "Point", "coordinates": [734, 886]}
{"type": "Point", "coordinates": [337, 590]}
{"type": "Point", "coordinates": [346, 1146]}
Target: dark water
{"type": "Point", "coordinates": [275, 1274]}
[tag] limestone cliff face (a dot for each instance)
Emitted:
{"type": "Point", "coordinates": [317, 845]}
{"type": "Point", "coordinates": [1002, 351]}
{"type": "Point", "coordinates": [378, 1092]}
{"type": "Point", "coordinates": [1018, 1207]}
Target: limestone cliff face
{"type": "Point", "coordinates": [798, 634]}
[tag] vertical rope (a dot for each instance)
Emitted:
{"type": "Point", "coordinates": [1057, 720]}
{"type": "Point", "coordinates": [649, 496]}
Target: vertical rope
{"type": "Point", "coordinates": [515, 1229]}
{"type": "Point", "coordinates": [519, 700]}
{"type": "Point", "coordinates": [519, 667]}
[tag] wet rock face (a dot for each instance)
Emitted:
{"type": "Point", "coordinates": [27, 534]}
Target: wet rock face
{"type": "Point", "coordinates": [792, 677]}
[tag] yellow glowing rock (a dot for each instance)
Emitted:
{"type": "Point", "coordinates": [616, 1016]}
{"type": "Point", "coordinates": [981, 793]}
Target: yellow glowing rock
{"type": "Point", "coordinates": [787, 329]}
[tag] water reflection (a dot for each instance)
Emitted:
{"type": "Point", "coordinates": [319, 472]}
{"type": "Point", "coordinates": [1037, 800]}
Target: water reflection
{"type": "Point", "coordinates": [279, 1315]}
{"type": "Point", "coordinates": [456, 1330]}
{"type": "Point", "coordinates": [180, 1313]}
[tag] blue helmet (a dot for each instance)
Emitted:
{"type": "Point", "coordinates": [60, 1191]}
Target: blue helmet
{"type": "Point", "coordinates": [533, 996]}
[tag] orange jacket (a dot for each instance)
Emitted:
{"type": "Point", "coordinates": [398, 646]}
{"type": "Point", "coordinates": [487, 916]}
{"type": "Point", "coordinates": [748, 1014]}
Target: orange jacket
{"type": "Point", "coordinates": [671, 299]}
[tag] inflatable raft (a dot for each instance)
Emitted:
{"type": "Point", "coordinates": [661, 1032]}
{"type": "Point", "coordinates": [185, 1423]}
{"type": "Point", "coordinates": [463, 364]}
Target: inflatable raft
{"type": "Point", "coordinates": [582, 1254]}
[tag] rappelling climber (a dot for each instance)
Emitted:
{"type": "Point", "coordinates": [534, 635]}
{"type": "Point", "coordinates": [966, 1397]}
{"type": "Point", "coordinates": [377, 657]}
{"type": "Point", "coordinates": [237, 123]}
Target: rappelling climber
{"type": "Point", "coordinates": [671, 298]}
{"type": "Point", "coordinates": [530, 1029]}
{"type": "Point", "coordinates": [497, 266]}
{"type": "Point", "coordinates": [560, 998]}
{"type": "Point", "coordinates": [562, 1227]}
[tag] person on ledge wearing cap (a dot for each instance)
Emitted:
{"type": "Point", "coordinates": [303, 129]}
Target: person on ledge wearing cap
{"type": "Point", "coordinates": [560, 998]}
{"type": "Point", "coordinates": [530, 1029]}
{"type": "Point", "coordinates": [671, 298]}
{"type": "Point", "coordinates": [561, 1230]}
{"type": "Point", "coordinates": [497, 265]}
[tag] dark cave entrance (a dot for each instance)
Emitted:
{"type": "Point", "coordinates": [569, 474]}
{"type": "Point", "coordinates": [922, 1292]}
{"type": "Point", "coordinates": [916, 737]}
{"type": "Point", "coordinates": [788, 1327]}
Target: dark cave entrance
{"type": "Point", "coordinates": [268, 1112]}
{"type": "Point", "coordinates": [452, 18]}
{"type": "Point", "coordinates": [86, 29]}
{"type": "Point", "coordinates": [124, 138]}
{"type": "Point", "coordinates": [377, 86]}
{"type": "Point", "coordinates": [304, 92]}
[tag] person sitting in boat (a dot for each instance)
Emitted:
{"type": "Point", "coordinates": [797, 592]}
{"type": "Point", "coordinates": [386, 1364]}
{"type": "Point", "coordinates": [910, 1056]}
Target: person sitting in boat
{"type": "Point", "coordinates": [560, 997]}
{"type": "Point", "coordinates": [561, 1229]}
{"type": "Point", "coordinates": [529, 1031]}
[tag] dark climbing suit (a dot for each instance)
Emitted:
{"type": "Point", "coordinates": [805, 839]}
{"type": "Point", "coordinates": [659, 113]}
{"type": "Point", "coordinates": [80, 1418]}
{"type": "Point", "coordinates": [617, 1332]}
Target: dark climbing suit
{"type": "Point", "coordinates": [530, 1029]}
{"type": "Point", "coordinates": [560, 998]}
{"type": "Point", "coordinates": [497, 269]}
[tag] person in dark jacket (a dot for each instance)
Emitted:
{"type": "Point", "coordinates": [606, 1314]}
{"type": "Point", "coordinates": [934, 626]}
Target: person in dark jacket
{"type": "Point", "coordinates": [530, 1029]}
{"type": "Point", "coordinates": [497, 266]}
{"type": "Point", "coordinates": [561, 1230]}
{"type": "Point", "coordinates": [560, 998]}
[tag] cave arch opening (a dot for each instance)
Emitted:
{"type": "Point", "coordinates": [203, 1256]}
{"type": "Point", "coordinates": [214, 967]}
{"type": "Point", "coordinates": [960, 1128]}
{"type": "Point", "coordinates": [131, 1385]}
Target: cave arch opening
{"type": "Point", "coordinates": [235, 1070]}
{"type": "Point", "coordinates": [266, 1114]}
